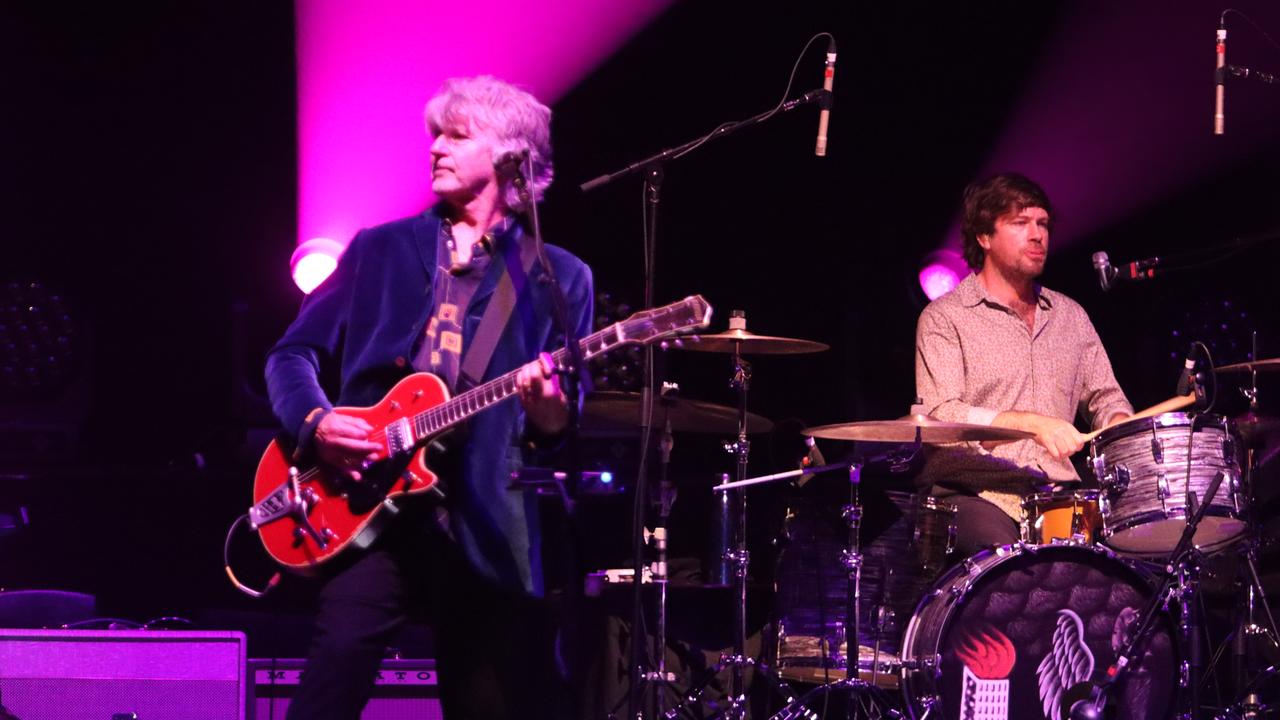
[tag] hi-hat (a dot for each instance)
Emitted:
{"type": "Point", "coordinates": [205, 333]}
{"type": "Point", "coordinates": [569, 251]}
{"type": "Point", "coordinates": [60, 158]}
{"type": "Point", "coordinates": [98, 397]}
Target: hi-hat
{"type": "Point", "coordinates": [622, 410]}
{"type": "Point", "coordinates": [907, 429]}
{"type": "Point", "coordinates": [747, 343]}
{"type": "Point", "coordinates": [1265, 365]}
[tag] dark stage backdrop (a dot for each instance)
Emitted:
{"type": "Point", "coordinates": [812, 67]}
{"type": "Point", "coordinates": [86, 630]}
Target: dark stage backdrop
{"type": "Point", "coordinates": [149, 179]}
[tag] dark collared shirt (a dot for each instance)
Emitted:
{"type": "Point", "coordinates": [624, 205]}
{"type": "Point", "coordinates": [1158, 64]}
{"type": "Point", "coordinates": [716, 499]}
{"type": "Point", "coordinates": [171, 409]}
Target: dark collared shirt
{"type": "Point", "coordinates": [976, 358]}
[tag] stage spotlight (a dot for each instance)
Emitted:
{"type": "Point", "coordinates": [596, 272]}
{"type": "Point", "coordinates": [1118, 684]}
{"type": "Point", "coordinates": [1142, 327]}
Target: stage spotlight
{"type": "Point", "coordinates": [313, 261]}
{"type": "Point", "coordinates": [941, 272]}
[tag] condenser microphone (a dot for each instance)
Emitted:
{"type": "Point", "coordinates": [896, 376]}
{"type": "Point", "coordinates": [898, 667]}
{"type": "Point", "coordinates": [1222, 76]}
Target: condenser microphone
{"type": "Point", "coordinates": [509, 162]}
{"type": "Point", "coordinates": [1220, 80]}
{"type": "Point", "coordinates": [1106, 273]}
{"type": "Point", "coordinates": [824, 115]}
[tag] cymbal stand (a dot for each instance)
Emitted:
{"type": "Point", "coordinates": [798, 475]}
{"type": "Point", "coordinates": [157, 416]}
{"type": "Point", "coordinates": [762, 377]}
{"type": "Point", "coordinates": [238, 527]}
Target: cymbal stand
{"type": "Point", "coordinates": [738, 559]}
{"type": "Point", "coordinates": [1248, 629]}
{"type": "Point", "coordinates": [654, 679]}
{"type": "Point", "coordinates": [860, 695]}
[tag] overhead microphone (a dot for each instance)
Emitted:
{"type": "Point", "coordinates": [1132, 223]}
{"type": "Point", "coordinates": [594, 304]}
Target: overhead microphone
{"type": "Point", "coordinates": [1220, 79]}
{"type": "Point", "coordinates": [824, 115]}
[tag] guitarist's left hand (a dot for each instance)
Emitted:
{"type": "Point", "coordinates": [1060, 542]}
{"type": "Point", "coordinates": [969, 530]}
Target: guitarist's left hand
{"type": "Point", "coordinates": [540, 394]}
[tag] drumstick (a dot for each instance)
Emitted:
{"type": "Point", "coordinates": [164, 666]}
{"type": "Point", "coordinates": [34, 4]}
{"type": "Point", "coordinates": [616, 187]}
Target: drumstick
{"type": "Point", "coordinates": [1174, 403]}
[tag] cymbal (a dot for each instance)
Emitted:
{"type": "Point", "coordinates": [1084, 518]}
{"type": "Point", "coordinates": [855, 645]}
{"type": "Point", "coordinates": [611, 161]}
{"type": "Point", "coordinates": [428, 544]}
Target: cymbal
{"type": "Point", "coordinates": [903, 430]}
{"type": "Point", "coordinates": [1257, 430]}
{"type": "Point", "coordinates": [622, 410]}
{"type": "Point", "coordinates": [1265, 365]}
{"type": "Point", "coordinates": [748, 343]}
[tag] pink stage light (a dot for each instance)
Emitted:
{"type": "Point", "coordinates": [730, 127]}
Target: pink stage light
{"type": "Point", "coordinates": [366, 70]}
{"type": "Point", "coordinates": [313, 261]}
{"type": "Point", "coordinates": [942, 272]}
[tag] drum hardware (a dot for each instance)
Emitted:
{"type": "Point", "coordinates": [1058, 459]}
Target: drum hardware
{"type": "Point", "coordinates": [1181, 584]}
{"type": "Point", "coordinates": [867, 694]}
{"type": "Point", "coordinates": [737, 341]}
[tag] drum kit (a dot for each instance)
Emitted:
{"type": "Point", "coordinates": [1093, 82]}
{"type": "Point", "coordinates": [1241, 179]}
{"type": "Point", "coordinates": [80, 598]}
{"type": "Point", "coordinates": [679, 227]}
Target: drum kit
{"type": "Point", "coordinates": [1096, 611]}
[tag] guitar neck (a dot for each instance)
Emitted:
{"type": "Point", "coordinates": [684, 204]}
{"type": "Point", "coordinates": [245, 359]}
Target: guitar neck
{"type": "Point", "coordinates": [480, 397]}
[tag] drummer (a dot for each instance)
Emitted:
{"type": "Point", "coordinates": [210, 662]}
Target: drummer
{"type": "Point", "coordinates": [1002, 350]}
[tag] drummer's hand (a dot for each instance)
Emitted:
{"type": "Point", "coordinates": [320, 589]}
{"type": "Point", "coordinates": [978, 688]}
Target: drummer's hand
{"type": "Point", "coordinates": [1059, 437]}
{"type": "Point", "coordinates": [342, 442]}
{"type": "Point", "coordinates": [544, 402]}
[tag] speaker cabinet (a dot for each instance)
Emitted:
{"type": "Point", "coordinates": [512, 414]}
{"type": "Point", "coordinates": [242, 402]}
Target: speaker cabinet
{"type": "Point", "coordinates": [150, 674]}
{"type": "Point", "coordinates": [404, 690]}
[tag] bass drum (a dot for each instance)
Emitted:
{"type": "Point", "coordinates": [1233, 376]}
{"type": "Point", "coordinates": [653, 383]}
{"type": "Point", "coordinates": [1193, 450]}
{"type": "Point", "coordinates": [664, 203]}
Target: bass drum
{"type": "Point", "coordinates": [1020, 631]}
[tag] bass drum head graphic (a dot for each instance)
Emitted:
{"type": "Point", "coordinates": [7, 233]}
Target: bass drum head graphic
{"type": "Point", "coordinates": [1022, 632]}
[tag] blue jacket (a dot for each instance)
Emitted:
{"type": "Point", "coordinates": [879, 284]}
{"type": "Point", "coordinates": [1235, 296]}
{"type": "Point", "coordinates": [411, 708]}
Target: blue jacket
{"type": "Point", "coordinates": [356, 332]}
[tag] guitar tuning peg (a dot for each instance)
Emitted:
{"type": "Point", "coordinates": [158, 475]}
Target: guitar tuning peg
{"type": "Point", "coordinates": [664, 345]}
{"type": "Point", "coordinates": [679, 342]}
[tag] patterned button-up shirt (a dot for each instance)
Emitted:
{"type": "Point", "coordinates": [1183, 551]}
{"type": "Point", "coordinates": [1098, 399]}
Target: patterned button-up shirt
{"type": "Point", "coordinates": [976, 358]}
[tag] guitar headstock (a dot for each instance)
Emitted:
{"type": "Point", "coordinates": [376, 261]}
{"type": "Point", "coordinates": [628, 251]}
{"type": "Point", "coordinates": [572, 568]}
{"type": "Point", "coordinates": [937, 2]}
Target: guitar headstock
{"type": "Point", "coordinates": [654, 324]}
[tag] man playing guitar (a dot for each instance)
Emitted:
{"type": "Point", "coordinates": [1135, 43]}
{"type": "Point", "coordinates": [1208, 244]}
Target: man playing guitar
{"type": "Point", "coordinates": [410, 295]}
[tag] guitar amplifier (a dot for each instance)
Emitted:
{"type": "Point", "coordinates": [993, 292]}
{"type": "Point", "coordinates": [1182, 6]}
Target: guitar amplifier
{"type": "Point", "coordinates": [403, 690]}
{"type": "Point", "coordinates": [150, 674]}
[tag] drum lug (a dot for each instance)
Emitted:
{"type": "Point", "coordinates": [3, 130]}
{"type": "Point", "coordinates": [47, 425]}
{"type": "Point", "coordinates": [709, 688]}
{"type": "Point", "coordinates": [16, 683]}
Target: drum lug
{"type": "Point", "coordinates": [1157, 449]}
{"type": "Point", "coordinates": [1099, 463]}
{"type": "Point", "coordinates": [1184, 674]}
{"type": "Point", "coordinates": [1162, 488]}
{"type": "Point", "coordinates": [1228, 447]}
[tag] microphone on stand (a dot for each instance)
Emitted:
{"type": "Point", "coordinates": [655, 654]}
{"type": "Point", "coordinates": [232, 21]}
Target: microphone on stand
{"type": "Point", "coordinates": [508, 163]}
{"type": "Point", "coordinates": [824, 115]}
{"type": "Point", "coordinates": [1187, 381]}
{"type": "Point", "coordinates": [1108, 274]}
{"type": "Point", "coordinates": [1220, 80]}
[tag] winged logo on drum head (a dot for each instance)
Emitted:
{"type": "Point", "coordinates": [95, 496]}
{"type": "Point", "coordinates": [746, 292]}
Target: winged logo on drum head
{"type": "Point", "coordinates": [1068, 663]}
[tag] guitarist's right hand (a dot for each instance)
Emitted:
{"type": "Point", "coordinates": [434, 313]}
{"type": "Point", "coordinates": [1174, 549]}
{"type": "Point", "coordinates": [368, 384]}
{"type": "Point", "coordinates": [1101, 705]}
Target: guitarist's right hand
{"type": "Point", "coordinates": [342, 442]}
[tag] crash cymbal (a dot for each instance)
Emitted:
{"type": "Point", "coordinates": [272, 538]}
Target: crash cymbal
{"type": "Point", "coordinates": [610, 409]}
{"type": "Point", "coordinates": [748, 343]}
{"type": "Point", "coordinates": [903, 430]}
{"type": "Point", "coordinates": [1264, 365]}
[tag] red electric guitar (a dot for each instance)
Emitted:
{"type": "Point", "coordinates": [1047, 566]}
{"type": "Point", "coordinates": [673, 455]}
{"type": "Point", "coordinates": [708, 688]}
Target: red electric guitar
{"type": "Point", "coordinates": [308, 515]}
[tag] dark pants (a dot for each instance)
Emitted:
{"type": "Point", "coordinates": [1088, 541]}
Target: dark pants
{"type": "Point", "coordinates": [979, 525]}
{"type": "Point", "coordinates": [495, 649]}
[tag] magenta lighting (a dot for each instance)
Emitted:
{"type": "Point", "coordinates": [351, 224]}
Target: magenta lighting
{"type": "Point", "coordinates": [366, 70]}
{"type": "Point", "coordinates": [941, 272]}
{"type": "Point", "coordinates": [313, 261]}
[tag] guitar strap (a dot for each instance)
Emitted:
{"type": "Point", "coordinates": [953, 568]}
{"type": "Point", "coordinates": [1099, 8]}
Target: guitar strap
{"type": "Point", "coordinates": [518, 259]}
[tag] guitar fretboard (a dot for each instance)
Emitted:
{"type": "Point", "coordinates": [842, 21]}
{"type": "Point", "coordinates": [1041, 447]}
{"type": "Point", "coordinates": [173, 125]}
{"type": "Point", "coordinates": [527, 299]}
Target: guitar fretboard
{"type": "Point", "coordinates": [470, 402]}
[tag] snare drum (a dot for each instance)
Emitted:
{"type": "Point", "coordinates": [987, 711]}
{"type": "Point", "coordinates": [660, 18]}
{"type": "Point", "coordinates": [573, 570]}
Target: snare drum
{"type": "Point", "coordinates": [1142, 466]}
{"type": "Point", "coordinates": [1050, 516]}
{"type": "Point", "coordinates": [1015, 632]}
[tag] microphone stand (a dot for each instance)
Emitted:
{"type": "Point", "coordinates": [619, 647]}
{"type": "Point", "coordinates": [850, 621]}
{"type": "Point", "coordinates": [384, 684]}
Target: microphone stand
{"type": "Point", "coordinates": [1181, 569]}
{"type": "Point", "coordinates": [575, 373]}
{"type": "Point", "coordinates": [654, 170]}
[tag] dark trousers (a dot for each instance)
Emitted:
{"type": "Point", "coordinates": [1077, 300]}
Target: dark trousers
{"type": "Point", "coordinates": [979, 524]}
{"type": "Point", "coordinates": [495, 649]}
